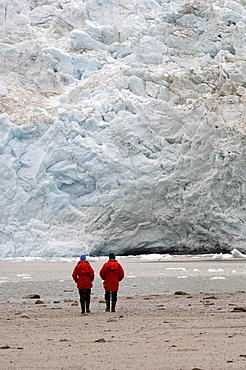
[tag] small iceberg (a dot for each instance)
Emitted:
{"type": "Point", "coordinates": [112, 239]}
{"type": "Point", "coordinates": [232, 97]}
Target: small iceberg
{"type": "Point", "coordinates": [237, 254]}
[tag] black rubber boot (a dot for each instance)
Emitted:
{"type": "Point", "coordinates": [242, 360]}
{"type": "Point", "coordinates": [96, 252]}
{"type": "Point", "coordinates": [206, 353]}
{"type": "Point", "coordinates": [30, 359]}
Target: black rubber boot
{"type": "Point", "coordinates": [82, 307]}
{"type": "Point", "coordinates": [88, 306]}
{"type": "Point", "coordinates": [107, 304]}
{"type": "Point", "coordinates": [113, 304]}
{"type": "Point", "coordinates": [107, 299]}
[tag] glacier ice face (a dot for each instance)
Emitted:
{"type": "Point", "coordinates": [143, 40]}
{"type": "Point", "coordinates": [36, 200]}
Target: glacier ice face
{"type": "Point", "coordinates": [122, 127]}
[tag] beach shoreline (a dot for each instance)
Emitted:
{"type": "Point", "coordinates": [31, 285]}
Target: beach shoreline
{"type": "Point", "coordinates": [159, 331]}
{"type": "Point", "coordinates": [51, 279]}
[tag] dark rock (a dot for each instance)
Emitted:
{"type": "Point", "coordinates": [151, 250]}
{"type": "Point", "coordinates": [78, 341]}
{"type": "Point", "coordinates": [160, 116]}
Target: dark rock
{"type": "Point", "coordinates": [179, 292]}
{"type": "Point", "coordinates": [32, 296]}
{"type": "Point", "coordinates": [25, 317]}
{"type": "Point", "coordinates": [239, 309]}
{"type": "Point", "coordinates": [211, 297]}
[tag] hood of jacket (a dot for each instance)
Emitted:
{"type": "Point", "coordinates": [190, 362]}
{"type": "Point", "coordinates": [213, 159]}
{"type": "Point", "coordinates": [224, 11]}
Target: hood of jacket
{"type": "Point", "coordinates": [112, 265]}
{"type": "Point", "coordinates": [84, 266]}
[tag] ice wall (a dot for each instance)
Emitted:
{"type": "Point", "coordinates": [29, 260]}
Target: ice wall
{"type": "Point", "coordinates": [122, 126]}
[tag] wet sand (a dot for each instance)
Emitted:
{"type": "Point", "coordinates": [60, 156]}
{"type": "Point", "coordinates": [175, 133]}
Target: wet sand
{"type": "Point", "coordinates": [162, 332]}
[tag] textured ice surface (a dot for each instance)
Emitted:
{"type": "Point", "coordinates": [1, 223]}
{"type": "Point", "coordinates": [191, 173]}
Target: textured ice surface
{"type": "Point", "coordinates": [122, 127]}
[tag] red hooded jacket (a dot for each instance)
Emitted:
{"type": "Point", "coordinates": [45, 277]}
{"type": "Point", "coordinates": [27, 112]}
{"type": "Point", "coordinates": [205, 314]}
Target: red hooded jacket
{"type": "Point", "coordinates": [83, 275]}
{"type": "Point", "coordinates": [112, 273]}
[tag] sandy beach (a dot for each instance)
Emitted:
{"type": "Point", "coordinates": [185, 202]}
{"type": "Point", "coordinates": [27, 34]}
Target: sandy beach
{"type": "Point", "coordinates": [201, 331]}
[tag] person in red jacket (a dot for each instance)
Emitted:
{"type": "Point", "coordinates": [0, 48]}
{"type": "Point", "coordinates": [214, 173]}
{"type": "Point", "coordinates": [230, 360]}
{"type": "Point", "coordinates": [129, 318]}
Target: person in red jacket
{"type": "Point", "coordinates": [83, 275]}
{"type": "Point", "coordinates": [112, 273]}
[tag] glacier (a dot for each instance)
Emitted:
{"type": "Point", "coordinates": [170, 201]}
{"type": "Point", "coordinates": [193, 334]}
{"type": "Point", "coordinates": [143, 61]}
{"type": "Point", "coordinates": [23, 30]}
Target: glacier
{"type": "Point", "coordinates": [122, 127]}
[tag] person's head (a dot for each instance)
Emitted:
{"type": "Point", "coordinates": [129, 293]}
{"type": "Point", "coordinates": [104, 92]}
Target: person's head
{"type": "Point", "coordinates": [111, 256]}
{"type": "Point", "coordinates": [82, 257]}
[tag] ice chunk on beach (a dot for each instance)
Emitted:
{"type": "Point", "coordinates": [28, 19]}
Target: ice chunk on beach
{"type": "Point", "coordinates": [237, 254]}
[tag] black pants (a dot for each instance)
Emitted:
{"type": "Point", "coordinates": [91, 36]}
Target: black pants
{"type": "Point", "coordinates": [113, 296]}
{"type": "Point", "coordinates": [85, 297]}
{"type": "Point", "coordinates": [110, 294]}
